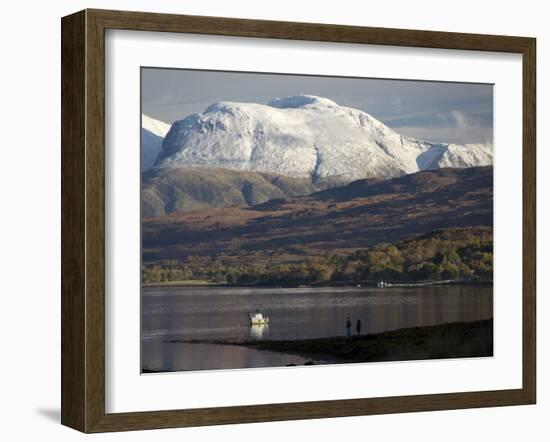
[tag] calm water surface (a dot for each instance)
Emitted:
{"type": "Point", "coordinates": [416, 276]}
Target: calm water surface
{"type": "Point", "coordinates": [220, 314]}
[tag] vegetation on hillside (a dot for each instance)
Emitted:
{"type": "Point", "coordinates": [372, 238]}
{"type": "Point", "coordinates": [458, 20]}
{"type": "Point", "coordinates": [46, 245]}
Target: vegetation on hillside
{"type": "Point", "coordinates": [339, 220]}
{"type": "Point", "coordinates": [456, 253]}
{"type": "Point", "coordinates": [181, 189]}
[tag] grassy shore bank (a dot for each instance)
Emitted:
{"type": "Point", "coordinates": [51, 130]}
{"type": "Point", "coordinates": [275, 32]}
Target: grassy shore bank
{"type": "Point", "coordinates": [454, 340]}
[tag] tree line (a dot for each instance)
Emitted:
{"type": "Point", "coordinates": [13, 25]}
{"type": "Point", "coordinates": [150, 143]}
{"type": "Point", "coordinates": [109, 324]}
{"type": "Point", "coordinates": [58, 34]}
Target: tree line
{"type": "Point", "coordinates": [461, 253]}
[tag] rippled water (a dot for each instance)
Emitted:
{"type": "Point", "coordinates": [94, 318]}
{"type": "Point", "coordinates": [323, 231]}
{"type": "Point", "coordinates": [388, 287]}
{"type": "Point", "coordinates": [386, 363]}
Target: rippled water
{"type": "Point", "coordinates": [220, 314]}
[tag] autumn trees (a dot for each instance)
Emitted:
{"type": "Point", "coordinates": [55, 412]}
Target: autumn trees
{"type": "Point", "coordinates": [463, 253]}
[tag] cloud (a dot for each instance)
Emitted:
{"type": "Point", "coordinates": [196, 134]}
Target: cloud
{"type": "Point", "coordinates": [391, 118]}
{"type": "Point", "coordinates": [452, 126]}
{"type": "Point", "coordinates": [463, 123]}
{"type": "Point", "coordinates": [467, 127]}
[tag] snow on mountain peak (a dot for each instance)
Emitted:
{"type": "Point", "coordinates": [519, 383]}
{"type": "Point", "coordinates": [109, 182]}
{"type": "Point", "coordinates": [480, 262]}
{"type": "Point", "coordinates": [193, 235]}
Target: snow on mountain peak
{"type": "Point", "coordinates": [152, 135]}
{"type": "Point", "coordinates": [306, 136]}
{"type": "Point", "coordinates": [298, 101]}
{"type": "Point", "coordinates": [157, 127]}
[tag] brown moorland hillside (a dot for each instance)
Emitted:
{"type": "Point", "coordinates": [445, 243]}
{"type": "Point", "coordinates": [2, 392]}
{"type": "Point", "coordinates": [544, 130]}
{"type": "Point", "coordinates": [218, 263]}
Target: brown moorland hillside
{"type": "Point", "coordinates": [337, 220]}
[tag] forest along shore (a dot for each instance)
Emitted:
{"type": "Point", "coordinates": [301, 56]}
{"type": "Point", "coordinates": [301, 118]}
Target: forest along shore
{"type": "Point", "coordinates": [443, 341]}
{"type": "Point", "coordinates": [458, 254]}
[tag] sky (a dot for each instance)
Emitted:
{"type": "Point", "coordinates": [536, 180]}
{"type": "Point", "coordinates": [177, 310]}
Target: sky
{"type": "Point", "coordinates": [426, 110]}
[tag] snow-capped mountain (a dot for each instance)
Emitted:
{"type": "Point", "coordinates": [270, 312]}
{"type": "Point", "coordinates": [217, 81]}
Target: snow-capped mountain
{"type": "Point", "coordinates": [306, 136]}
{"type": "Point", "coordinates": [152, 135]}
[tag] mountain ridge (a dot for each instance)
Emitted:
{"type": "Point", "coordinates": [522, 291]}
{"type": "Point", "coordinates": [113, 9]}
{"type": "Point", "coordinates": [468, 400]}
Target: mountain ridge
{"type": "Point", "coordinates": [306, 136]}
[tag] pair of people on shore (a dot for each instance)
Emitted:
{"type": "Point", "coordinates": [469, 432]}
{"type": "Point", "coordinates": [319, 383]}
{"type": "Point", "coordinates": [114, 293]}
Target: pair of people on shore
{"type": "Point", "coordinates": [348, 327]}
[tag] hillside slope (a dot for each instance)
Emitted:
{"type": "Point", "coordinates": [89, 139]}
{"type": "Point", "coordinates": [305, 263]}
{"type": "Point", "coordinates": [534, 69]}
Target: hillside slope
{"type": "Point", "coordinates": [343, 219]}
{"type": "Point", "coordinates": [180, 189]}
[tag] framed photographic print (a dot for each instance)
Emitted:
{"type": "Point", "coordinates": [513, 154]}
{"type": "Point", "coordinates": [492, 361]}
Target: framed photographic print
{"type": "Point", "coordinates": [269, 220]}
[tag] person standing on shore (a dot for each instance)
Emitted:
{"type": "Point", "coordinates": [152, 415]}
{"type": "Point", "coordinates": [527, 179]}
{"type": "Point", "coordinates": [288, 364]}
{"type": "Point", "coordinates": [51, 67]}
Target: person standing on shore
{"type": "Point", "coordinates": [358, 328]}
{"type": "Point", "coordinates": [348, 327]}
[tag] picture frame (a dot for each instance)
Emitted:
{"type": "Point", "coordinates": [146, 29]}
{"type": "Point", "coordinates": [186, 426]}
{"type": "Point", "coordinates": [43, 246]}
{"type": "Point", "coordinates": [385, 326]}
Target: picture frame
{"type": "Point", "coordinates": [83, 179]}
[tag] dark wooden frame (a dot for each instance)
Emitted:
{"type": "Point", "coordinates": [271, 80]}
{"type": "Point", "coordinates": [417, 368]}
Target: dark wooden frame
{"type": "Point", "coordinates": [83, 217]}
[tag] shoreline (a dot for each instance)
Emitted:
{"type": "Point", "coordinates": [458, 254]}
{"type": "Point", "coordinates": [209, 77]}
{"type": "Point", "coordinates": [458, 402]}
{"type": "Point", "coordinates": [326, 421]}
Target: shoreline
{"type": "Point", "coordinates": [442, 341]}
{"type": "Point", "coordinates": [347, 284]}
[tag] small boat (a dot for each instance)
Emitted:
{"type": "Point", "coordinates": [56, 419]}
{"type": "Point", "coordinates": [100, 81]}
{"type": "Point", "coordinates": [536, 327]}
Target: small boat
{"type": "Point", "coordinates": [257, 318]}
{"type": "Point", "coordinates": [382, 284]}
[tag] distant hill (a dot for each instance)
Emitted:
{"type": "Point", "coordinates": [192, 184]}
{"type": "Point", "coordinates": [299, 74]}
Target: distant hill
{"type": "Point", "coordinates": [340, 219]}
{"type": "Point", "coordinates": [152, 135]}
{"type": "Point", "coordinates": [180, 189]}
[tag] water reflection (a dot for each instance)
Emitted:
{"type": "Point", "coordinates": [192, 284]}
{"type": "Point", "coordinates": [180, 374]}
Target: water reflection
{"type": "Point", "coordinates": [257, 331]}
{"type": "Point", "coordinates": [221, 314]}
